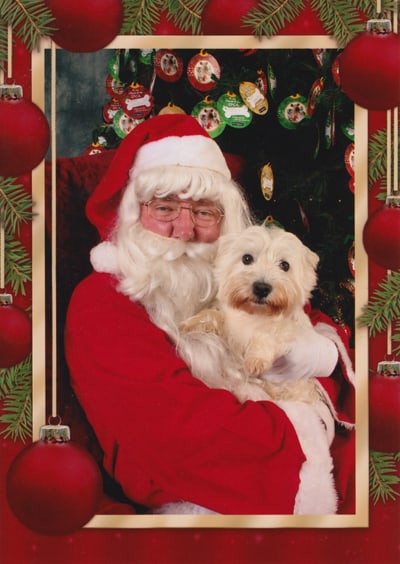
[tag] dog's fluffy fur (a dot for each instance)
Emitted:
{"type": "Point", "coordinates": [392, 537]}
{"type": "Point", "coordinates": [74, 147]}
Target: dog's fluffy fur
{"type": "Point", "coordinates": [265, 277]}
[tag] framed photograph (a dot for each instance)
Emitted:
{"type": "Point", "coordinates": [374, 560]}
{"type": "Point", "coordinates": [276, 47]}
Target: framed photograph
{"type": "Point", "coordinates": [83, 125]}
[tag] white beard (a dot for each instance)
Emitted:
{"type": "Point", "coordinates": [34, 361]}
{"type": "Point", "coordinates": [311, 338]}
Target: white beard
{"type": "Point", "coordinates": [173, 279]}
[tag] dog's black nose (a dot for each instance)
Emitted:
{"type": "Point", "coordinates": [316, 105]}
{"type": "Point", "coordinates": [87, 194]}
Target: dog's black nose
{"type": "Point", "coordinates": [261, 289]}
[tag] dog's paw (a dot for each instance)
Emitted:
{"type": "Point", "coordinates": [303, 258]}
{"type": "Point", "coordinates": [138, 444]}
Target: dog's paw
{"type": "Point", "coordinates": [251, 391]}
{"type": "Point", "coordinates": [255, 366]}
{"type": "Point", "coordinates": [207, 321]}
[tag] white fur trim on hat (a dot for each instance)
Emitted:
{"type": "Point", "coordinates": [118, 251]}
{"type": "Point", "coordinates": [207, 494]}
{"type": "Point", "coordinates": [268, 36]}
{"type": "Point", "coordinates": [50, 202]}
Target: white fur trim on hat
{"type": "Point", "coordinates": [103, 258]}
{"type": "Point", "coordinates": [190, 150]}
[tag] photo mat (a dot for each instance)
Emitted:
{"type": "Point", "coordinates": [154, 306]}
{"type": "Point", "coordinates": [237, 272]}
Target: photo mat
{"type": "Point", "coordinates": [40, 296]}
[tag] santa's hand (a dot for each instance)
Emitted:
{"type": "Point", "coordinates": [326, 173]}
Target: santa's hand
{"type": "Point", "coordinates": [310, 355]}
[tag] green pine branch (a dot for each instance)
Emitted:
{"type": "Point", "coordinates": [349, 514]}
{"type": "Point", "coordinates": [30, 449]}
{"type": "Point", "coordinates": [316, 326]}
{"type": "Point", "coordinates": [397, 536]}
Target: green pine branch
{"type": "Point", "coordinates": [186, 14]}
{"type": "Point", "coordinates": [340, 19]}
{"type": "Point", "coordinates": [377, 160]}
{"type": "Point", "coordinates": [29, 19]}
{"type": "Point", "coordinates": [3, 45]}
{"type": "Point", "coordinates": [16, 395]}
{"type": "Point", "coordinates": [18, 266]}
{"type": "Point", "coordinates": [383, 306]}
{"type": "Point", "coordinates": [140, 16]}
{"type": "Point", "coordinates": [15, 205]}
{"type": "Point", "coordinates": [271, 16]}
{"type": "Point", "coordinates": [383, 476]}
{"type": "Point", "coordinates": [396, 339]}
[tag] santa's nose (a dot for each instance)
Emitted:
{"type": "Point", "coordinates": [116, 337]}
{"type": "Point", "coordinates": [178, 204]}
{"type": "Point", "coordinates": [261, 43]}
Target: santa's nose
{"type": "Point", "coordinates": [183, 226]}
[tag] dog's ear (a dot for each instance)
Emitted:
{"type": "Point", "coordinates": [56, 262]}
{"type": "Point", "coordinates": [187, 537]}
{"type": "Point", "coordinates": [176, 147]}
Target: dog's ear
{"type": "Point", "coordinates": [224, 242]}
{"type": "Point", "coordinates": [311, 258]}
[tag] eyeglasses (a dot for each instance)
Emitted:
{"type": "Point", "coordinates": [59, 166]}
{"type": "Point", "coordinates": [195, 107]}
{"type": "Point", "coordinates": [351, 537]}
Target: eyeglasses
{"type": "Point", "coordinates": [203, 215]}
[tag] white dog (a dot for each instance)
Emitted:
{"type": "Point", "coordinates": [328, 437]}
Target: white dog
{"type": "Point", "coordinates": [265, 278]}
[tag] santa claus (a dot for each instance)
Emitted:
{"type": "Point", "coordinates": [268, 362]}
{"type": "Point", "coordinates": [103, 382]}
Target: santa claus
{"type": "Point", "coordinates": [160, 208]}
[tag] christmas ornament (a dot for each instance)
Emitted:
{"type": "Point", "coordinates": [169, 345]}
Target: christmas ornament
{"type": "Point", "coordinates": [110, 109]}
{"type": "Point", "coordinates": [54, 485]}
{"type": "Point", "coordinates": [234, 111]}
{"type": "Point", "coordinates": [15, 333]}
{"type": "Point", "coordinates": [292, 111]}
{"type": "Point", "coordinates": [253, 97]}
{"type": "Point", "coordinates": [171, 108]}
{"type": "Point", "coordinates": [261, 82]}
{"type": "Point", "coordinates": [349, 163]}
{"type": "Point", "coordinates": [314, 95]}
{"type": "Point", "coordinates": [369, 67]}
{"type": "Point", "coordinates": [224, 17]}
{"type": "Point", "coordinates": [267, 181]}
{"type": "Point", "coordinates": [87, 25]}
{"type": "Point", "coordinates": [94, 149]}
{"type": "Point", "coordinates": [272, 80]}
{"type": "Point", "coordinates": [123, 123]}
{"type": "Point", "coordinates": [136, 101]}
{"type": "Point", "coordinates": [114, 87]}
{"type": "Point", "coordinates": [320, 56]}
{"type": "Point", "coordinates": [24, 133]}
{"type": "Point", "coordinates": [202, 70]}
{"type": "Point", "coordinates": [351, 259]}
{"type": "Point", "coordinates": [248, 52]}
{"type": "Point", "coordinates": [384, 402]}
{"type": "Point", "coordinates": [348, 129]}
{"type": "Point", "coordinates": [330, 129]}
{"type": "Point", "coordinates": [168, 65]}
{"type": "Point", "coordinates": [207, 114]}
{"type": "Point", "coordinates": [381, 235]}
{"type": "Point", "coordinates": [335, 71]}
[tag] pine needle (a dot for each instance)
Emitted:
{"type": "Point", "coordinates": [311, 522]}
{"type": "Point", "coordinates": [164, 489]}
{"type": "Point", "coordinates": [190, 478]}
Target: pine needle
{"type": "Point", "coordinates": [18, 266]}
{"type": "Point", "coordinates": [15, 205]}
{"type": "Point", "coordinates": [140, 16]}
{"type": "Point", "coordinates": [186, 14]}
{"type": "Point", "coordinates": [383, 306]}
{"type": "Point", "coordinates": [3, 45]}
{"type": "Point", "coordinates": [30, 20]}
{"type": "Point", "coordinates": [383, 475]}
{"type": "Point", "coordinates": [340, 19]}
{"type": "Point", "coordinates": [271, 16]}
{"type": "Point", "coordinates": [17, 404]}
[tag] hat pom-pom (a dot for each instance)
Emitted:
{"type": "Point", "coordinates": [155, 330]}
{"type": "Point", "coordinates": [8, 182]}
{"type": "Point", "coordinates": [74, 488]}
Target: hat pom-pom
{"type": "Point", "coordinates": [104, 258]}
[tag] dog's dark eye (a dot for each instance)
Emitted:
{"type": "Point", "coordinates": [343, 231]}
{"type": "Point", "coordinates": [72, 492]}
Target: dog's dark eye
{"type": "Point", "coordinates": [284, 265]}
{"type": "Point", "coordinates": [247, 259]}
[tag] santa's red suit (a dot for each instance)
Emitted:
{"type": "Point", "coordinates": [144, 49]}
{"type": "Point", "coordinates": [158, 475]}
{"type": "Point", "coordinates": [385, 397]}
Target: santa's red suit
{"type": "Point", "coordinates": [165, 435]}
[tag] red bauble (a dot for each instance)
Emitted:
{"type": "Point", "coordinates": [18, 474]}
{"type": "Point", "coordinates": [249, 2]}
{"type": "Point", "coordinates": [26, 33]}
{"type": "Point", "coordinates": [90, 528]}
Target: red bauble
{"type": "Point", "coordinates": [86, 25]}
{"type": "Point", "coordinates": [369, 70]}
{"type": "Point", "coordinates": [166, 26]}
{"type": "Point", "coordinates": [24, 135]}
{"type": "Point", "coordinates": [224, 17]}
{"type": "Point", "coordinates": [54, 488]}
{"type": "Point", "coordinates": [384, 412]}
{"type": "Point", "coordinates": [15, 334]}
{"type": "Point", "coordinates": [381, 236]}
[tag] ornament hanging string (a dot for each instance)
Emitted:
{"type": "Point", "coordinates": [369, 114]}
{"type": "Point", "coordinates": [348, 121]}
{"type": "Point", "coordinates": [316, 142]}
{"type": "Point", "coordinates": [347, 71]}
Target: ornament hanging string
{"type": "Point", "coordinates": [392, 185]}
{"type": "Point", "coordinates": [2, 229]}
{"type": "Point", "coordinates": [53, 233]}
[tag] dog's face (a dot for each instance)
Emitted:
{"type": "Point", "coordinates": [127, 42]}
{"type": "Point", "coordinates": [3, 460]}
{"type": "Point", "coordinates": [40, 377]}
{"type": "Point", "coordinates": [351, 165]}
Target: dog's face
{"type": "Point", "coordinates": [265, 270]}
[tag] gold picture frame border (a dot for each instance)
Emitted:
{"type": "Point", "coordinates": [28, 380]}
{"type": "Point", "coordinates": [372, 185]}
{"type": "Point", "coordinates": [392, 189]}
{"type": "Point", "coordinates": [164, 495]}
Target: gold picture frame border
{"type": "Point", "coordinates": [39, 296]}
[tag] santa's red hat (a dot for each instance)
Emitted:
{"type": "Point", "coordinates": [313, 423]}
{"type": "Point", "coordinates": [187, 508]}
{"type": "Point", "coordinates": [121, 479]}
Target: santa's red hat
{"type": "Point", "coordinates": [173, 139]}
